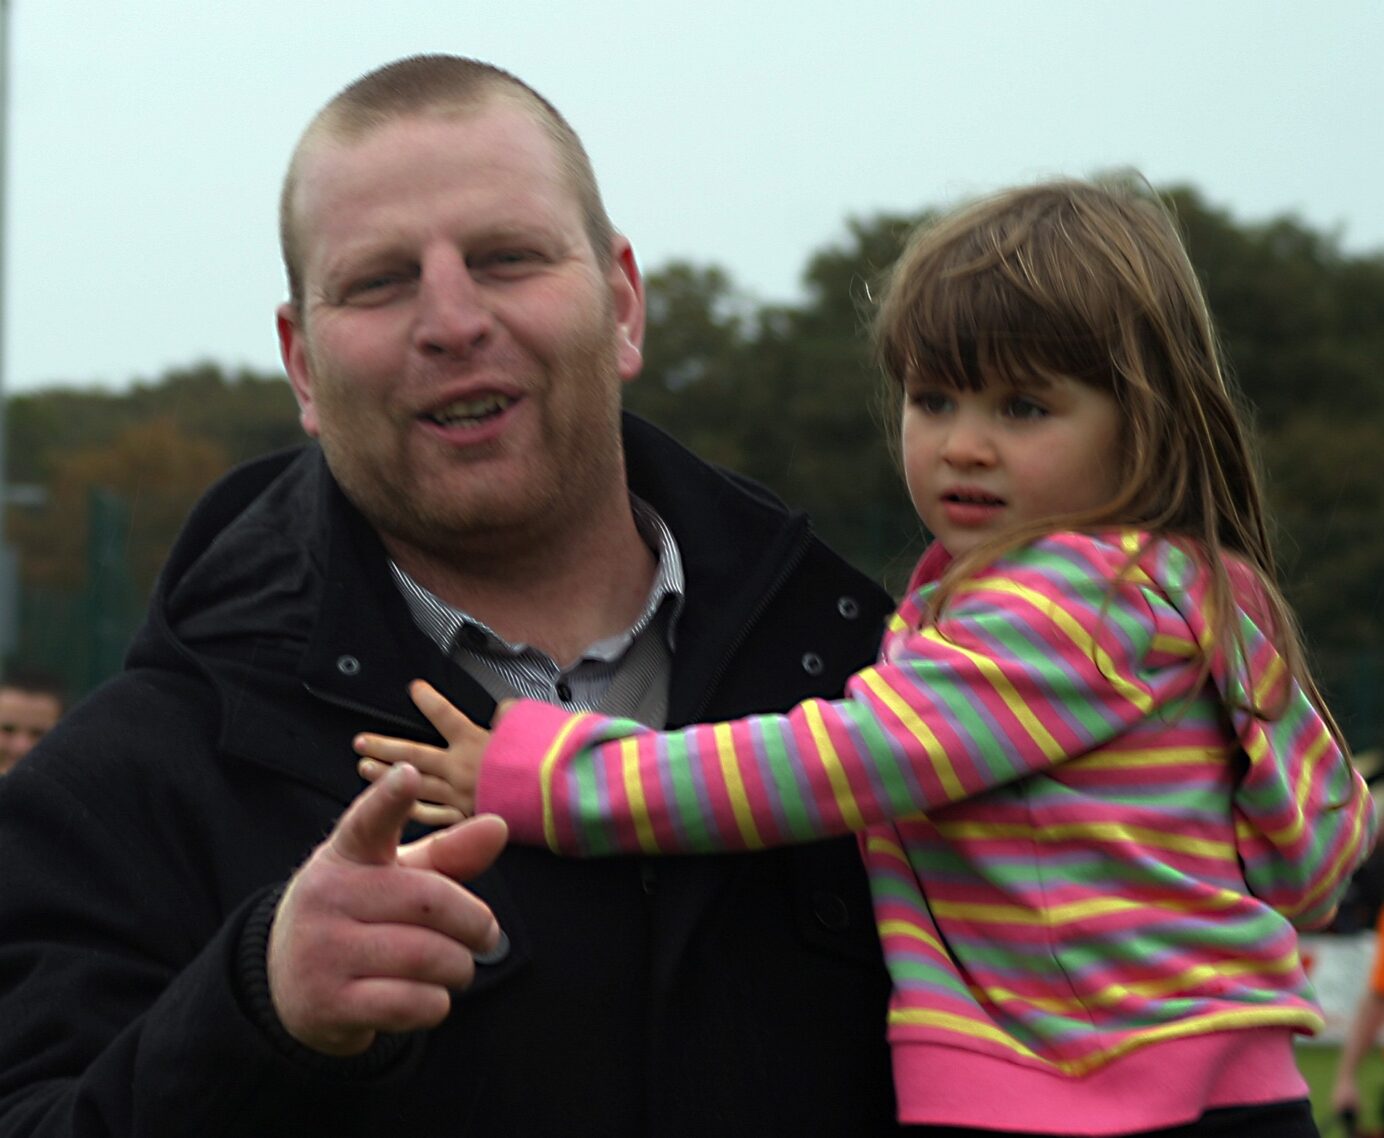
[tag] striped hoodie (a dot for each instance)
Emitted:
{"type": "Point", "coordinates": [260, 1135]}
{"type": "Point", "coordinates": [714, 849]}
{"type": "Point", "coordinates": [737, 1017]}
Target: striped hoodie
{"type": "Point", "coordinates": [1087, 863]}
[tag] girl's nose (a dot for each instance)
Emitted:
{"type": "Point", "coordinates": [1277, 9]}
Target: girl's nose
{"type": "Point", "coordinates": [968, 443]}
{"type": "Point", "coordinates": [453, 317]}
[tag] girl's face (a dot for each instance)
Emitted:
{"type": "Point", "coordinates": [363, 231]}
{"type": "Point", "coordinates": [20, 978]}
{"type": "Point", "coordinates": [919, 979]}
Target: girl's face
{"type": "Point", "coordinates": [980, 462]}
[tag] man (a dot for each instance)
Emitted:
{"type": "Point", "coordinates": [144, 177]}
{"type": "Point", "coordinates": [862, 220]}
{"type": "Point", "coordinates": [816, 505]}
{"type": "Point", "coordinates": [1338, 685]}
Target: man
{"type": "Point", "coordinates": [30, 705]}
{"type": "Point", "coordinates": [181, 950]}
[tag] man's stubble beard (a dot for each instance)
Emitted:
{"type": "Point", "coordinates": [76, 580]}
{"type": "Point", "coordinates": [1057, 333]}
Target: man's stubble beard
{"type": "Point", "coordinates": [585, 457]}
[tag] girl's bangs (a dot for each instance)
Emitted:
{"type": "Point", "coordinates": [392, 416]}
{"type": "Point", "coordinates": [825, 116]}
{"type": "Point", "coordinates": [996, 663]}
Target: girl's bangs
{"type": "Point", "coordinates": [971, 330]}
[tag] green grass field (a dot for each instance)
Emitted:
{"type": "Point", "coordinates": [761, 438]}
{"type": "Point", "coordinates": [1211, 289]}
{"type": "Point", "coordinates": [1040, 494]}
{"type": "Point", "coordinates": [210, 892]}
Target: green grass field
{"type": "Point", "coordinates": [1318, 1066]}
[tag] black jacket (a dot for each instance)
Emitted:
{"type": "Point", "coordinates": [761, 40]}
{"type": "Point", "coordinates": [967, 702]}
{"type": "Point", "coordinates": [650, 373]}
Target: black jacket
{"type": "Point", "coordinates": [143, 844]}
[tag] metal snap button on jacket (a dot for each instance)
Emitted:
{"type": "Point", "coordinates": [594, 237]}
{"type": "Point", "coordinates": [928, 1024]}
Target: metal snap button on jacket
{"type": "Point", "coordinates": [830, 911]}
{"type": "Point", "coordinates": [496, 954]}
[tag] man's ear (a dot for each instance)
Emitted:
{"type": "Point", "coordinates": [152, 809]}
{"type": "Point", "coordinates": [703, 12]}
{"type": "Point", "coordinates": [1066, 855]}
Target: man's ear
{"type": "Point", "coordinates": [627, 294]}
{"type": "Point", "coordinates": [293, 351]}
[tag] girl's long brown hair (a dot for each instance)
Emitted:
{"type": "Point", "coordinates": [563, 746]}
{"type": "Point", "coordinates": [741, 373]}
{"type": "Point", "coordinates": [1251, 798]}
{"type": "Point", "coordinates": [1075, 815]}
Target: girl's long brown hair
{"type": "Point", "coordinates": [1090, 281]}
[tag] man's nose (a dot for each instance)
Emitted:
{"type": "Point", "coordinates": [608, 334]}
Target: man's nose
{"type": "Point", "coordinates": [453, 317]}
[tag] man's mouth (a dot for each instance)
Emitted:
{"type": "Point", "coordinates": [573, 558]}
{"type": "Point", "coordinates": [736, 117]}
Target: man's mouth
{"type": "Point", "coordinates": [470, 412]}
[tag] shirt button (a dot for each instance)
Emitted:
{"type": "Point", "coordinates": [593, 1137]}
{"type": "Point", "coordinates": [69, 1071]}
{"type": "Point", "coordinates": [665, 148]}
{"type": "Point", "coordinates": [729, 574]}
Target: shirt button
{"type": "Point", "coordinates": [496, 954]}
{"type": "Point", "coordinates": [830, 911]}
{"type": "Point", "coordinates": [348, 665]}
{"type": "Point", "coordinates": [812, 664]}
{"type": "Point", "coordinates": [848, 607]}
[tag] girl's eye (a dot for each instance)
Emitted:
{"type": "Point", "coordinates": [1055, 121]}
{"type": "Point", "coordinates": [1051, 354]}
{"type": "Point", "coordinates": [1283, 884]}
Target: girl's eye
{"type": "Point", "coordinates": [1022, 407]}
{"type": "Point", "coordinates": [931, 402]}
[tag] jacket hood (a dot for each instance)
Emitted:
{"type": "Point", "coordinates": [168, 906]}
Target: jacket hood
{"type": "Point", "coordinates": [243, 571]}
{"type": "Point", "coordinates": [1286, 748]}
{"type": "Point", "coordinates": [250, 602]}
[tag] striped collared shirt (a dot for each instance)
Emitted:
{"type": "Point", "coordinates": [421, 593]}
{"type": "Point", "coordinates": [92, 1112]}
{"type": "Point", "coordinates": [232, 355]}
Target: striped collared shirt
{"type": "Point", "coordinates": [626, 674]}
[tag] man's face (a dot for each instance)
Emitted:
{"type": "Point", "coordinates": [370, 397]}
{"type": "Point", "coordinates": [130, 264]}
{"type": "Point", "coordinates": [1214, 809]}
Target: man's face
{"type": "Point", "coordinates": [459, 350]}
{"type": "Point", "coordinates": [25, 718]}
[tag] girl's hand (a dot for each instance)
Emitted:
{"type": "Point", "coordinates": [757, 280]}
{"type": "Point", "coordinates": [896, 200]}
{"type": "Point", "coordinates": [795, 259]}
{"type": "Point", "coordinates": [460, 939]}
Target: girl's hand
{"type": "Point", "coordinates": [447, 793]}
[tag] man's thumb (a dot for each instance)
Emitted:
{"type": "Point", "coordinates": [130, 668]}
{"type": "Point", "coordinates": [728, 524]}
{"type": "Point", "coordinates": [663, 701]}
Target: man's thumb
{"type": "Point", "coordinates": [460, 852]}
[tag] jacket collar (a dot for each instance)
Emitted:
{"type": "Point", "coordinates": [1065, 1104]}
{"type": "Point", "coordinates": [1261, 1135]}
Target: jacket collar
{"type": "Point", "coordinates": [737, 543]}
{"type": "Point", "coordinates": [358, 646]}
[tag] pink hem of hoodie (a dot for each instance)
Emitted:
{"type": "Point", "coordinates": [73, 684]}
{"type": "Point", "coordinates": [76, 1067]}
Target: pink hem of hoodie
{"type": "Point", "coordinates": [1163, 1084]}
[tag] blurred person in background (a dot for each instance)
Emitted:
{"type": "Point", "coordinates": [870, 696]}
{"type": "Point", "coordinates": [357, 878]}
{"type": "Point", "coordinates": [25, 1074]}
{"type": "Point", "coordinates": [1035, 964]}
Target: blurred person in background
{"type": "Point", "coordinates": [31, 704]}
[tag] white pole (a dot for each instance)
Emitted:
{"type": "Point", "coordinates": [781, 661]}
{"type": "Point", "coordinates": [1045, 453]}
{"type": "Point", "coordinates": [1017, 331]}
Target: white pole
{"type": "Point", "coordinates": [9, 583]}
{"type": "Point", "coordinates": [4, 149]}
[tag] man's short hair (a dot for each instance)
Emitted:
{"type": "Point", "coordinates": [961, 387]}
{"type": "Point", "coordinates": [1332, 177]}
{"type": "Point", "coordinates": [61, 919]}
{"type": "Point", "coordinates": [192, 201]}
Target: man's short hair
{"type": "Point", "coordinates": [440, 85]}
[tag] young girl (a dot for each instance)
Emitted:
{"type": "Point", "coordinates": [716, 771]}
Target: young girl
{"type": "Point", "coordinates": [1094, 786]}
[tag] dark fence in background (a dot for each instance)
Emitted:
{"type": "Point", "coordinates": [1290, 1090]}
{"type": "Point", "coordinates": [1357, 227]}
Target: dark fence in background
{"type": "Point", "coordinates": [82, 634]}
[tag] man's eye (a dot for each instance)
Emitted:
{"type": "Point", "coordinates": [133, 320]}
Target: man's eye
{"type": "Point", "coordinates": [501, 260]}
{"type": "Point", "coordinates": [372, 287]}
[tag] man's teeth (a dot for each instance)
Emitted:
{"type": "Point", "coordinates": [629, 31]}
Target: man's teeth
{"type": "Point", "coordinates": [470, 410]}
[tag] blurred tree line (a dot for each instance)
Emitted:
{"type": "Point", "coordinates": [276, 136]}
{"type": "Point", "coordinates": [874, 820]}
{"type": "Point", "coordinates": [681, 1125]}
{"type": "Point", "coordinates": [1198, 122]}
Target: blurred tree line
{"type": "Point", "coordinates": [786, 393]}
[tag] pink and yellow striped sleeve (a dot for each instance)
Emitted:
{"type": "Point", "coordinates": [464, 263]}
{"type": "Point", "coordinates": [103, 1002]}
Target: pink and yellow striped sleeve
{"type": "Point", "coordinates": [1304, 818]}
{"type": "Point", "coordinates": [1046, 656]}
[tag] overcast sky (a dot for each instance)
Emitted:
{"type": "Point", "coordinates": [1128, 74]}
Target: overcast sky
{"type": "Point", "coordinates": [147, 138]}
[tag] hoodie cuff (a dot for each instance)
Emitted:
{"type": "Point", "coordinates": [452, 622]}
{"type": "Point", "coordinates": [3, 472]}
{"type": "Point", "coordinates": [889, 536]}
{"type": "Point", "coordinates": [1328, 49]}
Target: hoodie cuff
{"type": "Point", "coordinates": [510, 782]}
{"type": "Point", "coordinates": [252, 967]}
